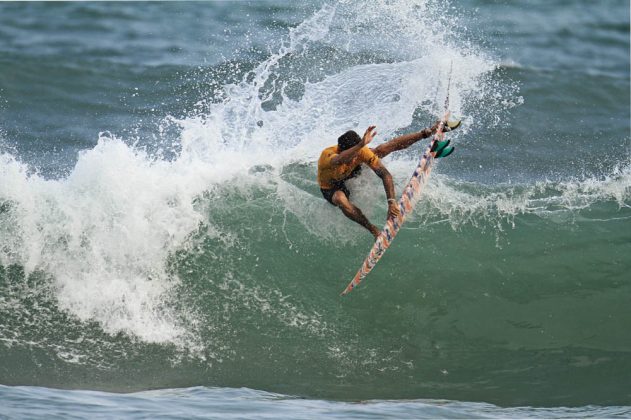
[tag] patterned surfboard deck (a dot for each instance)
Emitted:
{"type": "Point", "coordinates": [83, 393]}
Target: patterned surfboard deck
{"type": "Point", "coordinates": [411, 194]}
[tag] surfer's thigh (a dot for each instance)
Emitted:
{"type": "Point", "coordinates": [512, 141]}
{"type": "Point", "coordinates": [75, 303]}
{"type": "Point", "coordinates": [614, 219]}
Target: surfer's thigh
{"type": "Point", "coordinates": [340, 199]}
{"type": "Point", "coordinates": [328, 194]}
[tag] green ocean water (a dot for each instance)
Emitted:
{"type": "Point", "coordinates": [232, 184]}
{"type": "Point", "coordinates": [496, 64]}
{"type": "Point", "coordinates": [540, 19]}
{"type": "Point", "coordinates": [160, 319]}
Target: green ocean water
{"type": "Point", "coordinates": [161, 226]}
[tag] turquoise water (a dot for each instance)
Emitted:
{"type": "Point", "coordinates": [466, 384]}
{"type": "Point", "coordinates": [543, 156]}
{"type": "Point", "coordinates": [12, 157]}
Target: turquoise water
{"type": "Point", "coordinates": [164, 247]}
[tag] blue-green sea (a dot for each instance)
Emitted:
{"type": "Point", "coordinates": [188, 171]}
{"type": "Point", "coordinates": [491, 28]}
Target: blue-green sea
{"type": "Point", "coordinates": [165, 251]}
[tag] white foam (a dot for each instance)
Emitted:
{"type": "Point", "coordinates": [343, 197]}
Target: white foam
{"type": "Point", "coordinates": [104, 233]}
{"type": "Point", "coordinates": [462, 203]}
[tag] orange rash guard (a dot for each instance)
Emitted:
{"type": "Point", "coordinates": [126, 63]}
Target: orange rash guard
{"type": "Point", "coordinates": [329, 174]}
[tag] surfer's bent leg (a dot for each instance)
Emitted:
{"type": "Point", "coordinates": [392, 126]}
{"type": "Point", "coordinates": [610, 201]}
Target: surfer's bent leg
{"type": "Point", "coordinates": [353, 212]}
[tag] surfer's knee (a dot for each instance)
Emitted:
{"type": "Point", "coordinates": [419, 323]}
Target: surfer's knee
{"type": "Point", "coordinates": [341, 200]}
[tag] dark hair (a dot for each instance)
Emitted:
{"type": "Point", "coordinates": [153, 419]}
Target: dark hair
{"type": "Point", "coordinates": [348, 140]}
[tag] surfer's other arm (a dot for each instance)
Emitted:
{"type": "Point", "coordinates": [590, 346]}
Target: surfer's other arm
{"type": "Point", "coordinates": [388, 186]}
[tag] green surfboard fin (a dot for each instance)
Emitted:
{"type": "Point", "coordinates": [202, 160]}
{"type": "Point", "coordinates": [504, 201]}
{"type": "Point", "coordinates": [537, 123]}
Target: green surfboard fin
{"type": "Point", "coordinates": [446, 151]}
{"type": "Point", "coordinates": [441, 149]}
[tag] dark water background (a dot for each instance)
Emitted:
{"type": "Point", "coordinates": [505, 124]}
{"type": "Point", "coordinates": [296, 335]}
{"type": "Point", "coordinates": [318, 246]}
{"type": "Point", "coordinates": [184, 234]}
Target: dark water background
{"type": "Point", "coordinates": [161, 227]}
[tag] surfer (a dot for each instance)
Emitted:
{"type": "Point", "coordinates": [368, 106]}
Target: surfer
{"type": "Point", "coordinates": [344, 161]}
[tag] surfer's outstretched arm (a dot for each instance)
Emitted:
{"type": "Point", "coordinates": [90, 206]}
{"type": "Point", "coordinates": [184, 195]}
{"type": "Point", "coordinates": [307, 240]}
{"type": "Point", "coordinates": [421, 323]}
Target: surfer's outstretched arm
{"type": "Point", "coordinates": [347, 155]}
{"type": "Point", "coordinates": [404, 141]}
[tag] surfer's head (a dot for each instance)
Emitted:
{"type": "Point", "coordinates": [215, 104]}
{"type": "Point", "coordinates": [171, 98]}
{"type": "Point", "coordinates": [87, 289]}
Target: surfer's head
{"type": "Point", "coordinates": [348, 140]}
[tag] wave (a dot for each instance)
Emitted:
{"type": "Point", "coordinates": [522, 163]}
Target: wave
{"type": "Point", "coordinates": [202, 259]}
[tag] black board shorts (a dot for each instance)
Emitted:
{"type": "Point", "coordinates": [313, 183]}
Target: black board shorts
{"type": "Point", "coordinates": [340, 186]}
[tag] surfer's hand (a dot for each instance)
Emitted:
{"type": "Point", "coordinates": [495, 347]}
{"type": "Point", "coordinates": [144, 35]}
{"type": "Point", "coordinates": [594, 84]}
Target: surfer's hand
{"type": "Point", "coordinates": [369, 135]}
{"type": "Point", "coordinates": [393, 210]}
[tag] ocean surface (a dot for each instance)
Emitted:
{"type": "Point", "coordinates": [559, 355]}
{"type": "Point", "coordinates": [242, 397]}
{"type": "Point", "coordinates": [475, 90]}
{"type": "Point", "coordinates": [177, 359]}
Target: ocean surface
{"type": "Point", "coordinates": [165, 250]}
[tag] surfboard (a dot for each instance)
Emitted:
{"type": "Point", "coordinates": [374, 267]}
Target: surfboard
{"type": "Point", "coordinates": [411, 194]}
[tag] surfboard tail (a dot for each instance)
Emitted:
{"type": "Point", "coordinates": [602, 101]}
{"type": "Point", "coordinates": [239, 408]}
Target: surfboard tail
{"type": "Point", "coordinates": [356, 280]}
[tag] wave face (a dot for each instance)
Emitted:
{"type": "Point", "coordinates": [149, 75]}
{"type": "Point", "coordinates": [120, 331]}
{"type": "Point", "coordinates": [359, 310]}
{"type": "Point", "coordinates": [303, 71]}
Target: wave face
{"type": "Point", "coordinates": [196, 249]}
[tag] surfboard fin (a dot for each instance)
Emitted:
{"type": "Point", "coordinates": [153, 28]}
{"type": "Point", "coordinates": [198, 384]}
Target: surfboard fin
{"type": "Point", "coordinates": [441, 149]}
{"type": "Point", "coordinates": [444, 152]}
{"type": "Point", "coordinates": [439, 145]}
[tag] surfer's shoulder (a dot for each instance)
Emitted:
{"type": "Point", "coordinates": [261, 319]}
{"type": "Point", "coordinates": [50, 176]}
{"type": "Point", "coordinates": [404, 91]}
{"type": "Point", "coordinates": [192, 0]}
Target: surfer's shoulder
{"type": "Point", "coordinates": [327, 154]}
